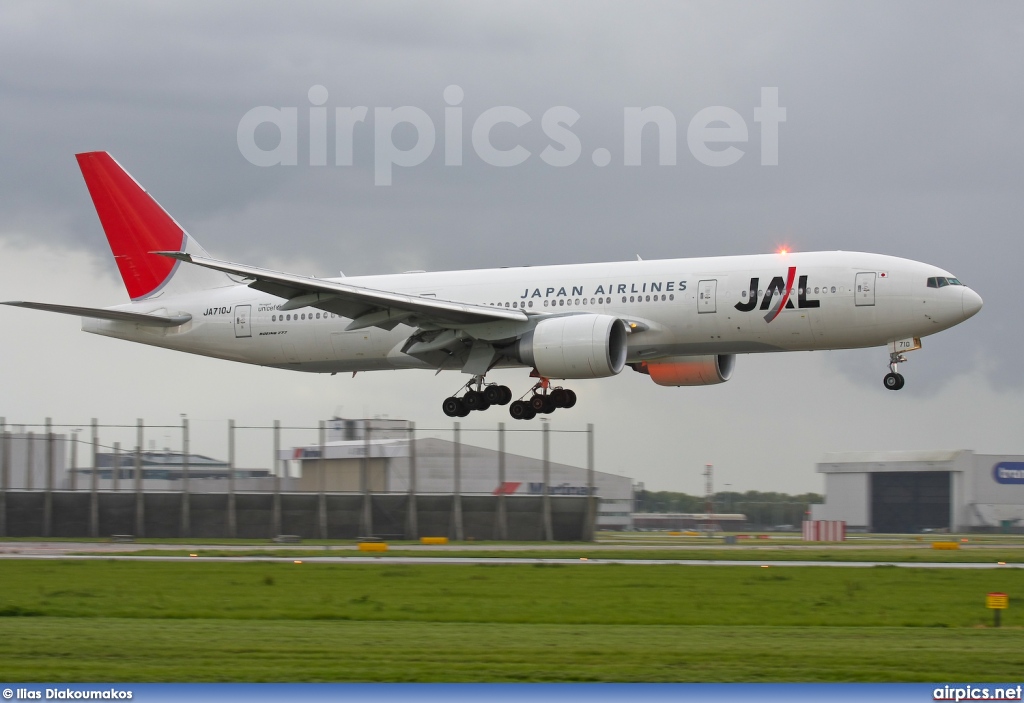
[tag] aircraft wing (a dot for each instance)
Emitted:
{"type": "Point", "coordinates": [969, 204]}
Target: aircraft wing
{"type": "Point", "coordinates": [366, 307]}
{"type": "Point", "coordinates": [102, 314]}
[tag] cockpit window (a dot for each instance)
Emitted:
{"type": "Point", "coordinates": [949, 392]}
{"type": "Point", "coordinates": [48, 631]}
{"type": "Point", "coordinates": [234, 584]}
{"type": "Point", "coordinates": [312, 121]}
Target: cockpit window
{"type": "Point", "coordinates": [943, 281]}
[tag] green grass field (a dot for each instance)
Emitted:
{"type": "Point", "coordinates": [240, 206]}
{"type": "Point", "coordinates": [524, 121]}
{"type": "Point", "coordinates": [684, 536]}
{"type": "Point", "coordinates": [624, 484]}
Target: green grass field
{"type": "Point", "coordinates": [201, 621]}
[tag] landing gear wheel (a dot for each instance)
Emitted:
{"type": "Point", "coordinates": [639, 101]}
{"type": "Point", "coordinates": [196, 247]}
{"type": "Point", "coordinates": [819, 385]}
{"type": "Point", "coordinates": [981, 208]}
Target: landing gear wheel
{"type": "Point", "coordinates": [893, 381]}
{"type": "Point", "coordinates": [570, 399]}
{"type": "Point", "coordinates": [454, 407]}
{"type": "Point", "coordinates": [521, 410]}
{"type": "Point", "coordinates": [475, 400]}
{"type": "Point", "coordinates": [507, 395]}
{"type": "Point", "coordinates": [495, 395]}
{"type": "Point", "coordinates": [539, 402]}
{"type": "Point", "coordinates": [559, 397]}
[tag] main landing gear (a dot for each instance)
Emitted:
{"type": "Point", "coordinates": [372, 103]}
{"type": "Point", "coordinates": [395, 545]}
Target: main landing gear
{"type": "Point", "coordinates": [545, 400]}
{"type": "Point", "coordinates": [894, 380]}
{"type": "Point", "coordinates": [478, 396]}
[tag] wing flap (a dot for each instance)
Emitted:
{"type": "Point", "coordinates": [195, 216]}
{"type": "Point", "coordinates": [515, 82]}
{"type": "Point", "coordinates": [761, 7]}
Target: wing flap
{"type": "Point", "coordinates": [137, 318]}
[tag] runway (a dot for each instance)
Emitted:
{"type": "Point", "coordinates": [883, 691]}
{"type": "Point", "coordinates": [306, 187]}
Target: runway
{"type": "Point", "coordinates": [469, 561]}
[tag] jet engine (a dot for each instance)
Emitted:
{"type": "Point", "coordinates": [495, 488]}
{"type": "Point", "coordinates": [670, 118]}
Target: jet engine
{"type": "Point", "coordinates": [689, 370]}
{"type": "Point", "coordinates": [575, 346]}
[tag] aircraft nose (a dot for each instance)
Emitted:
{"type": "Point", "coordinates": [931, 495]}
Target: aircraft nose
{"type": "Point", "coordinates": [972, 303]}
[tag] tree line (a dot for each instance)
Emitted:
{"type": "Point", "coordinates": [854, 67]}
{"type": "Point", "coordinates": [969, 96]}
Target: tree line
{"type": "Point", "coordinates": [760, 508]}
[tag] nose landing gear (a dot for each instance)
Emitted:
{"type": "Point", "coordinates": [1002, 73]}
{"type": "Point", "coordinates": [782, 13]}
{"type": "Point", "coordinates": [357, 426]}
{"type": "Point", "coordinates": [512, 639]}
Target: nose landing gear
{"type": "Point", "coordinates": [894, 380]}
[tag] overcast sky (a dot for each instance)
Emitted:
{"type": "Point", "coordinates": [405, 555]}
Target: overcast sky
{"type": "Point", "coordinates": [902, 136]}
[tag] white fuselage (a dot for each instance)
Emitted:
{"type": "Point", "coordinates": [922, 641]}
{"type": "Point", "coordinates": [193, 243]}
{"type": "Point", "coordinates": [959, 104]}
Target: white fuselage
{"type": "Point", "coordinates": [677, 306]}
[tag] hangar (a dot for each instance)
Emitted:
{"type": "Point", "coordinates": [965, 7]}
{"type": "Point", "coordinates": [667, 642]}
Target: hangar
{"type": "Point", "coordinates": [915, 491]}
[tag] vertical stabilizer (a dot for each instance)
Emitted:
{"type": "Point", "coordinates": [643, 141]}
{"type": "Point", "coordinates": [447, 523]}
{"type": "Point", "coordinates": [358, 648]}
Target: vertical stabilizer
{"type": "Point", "coordinates": [136, 226]}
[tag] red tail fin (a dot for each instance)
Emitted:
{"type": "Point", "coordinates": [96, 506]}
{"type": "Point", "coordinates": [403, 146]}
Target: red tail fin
{"type": "Point", "coordinates": [134, 223]}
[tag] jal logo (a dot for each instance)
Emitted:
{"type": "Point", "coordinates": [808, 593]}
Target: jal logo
{"type": "Point", "coordinates": [1009, 472]}
{"type": "Point", "coordinates": [777, 295]}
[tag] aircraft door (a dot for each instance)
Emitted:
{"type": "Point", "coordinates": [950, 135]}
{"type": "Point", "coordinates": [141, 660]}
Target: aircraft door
{"type": "Point", "coordinates": [864, 291]}
{"type": "Point", "coordinates": [706, 296]}
{"type": "Point", "coordinates": [242, 314]}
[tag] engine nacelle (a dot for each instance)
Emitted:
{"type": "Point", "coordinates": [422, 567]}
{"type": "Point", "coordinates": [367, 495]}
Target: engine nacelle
{"type": "Point", "coordinates": [689, 370]}
{"type": "Point", "coordinates": [575, 346]}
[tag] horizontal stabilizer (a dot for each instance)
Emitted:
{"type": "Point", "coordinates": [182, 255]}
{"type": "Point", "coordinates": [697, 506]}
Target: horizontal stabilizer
{"type": "Point", "coordinates": [102, 314]}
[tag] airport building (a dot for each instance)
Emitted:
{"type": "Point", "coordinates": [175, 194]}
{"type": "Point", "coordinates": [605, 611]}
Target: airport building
{"type": "Point", "coordinates": [914, 491]}
{"type": "Point", "coordinates": [389, 469]}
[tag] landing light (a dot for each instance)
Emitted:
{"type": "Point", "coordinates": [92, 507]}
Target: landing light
{"type": "Point", "coordinates": [783, 250]}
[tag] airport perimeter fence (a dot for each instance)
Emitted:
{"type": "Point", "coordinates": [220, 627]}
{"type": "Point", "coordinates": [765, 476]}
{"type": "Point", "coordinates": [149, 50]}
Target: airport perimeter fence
{"type": "Point", "coordinates": [337, 480]}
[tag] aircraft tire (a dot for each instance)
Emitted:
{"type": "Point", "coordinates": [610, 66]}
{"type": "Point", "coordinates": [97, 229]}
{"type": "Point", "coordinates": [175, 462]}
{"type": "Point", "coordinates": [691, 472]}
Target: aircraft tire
{"type": "Point", "coordinates": [475, 400]}
{"type": "Point", "coordinates": [570, 398]}
{"type": "Point", "coordinates": [495, 395]}
{"type": "Point", "coordinates": [453, 407]}
{"type": "Point", "coordinates": [520, 410]}
{"type": "Point", "coordinates": [893, 381]}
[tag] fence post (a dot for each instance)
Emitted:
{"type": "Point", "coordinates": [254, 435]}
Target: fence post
{"type": "Point", "coordinates": [116, 470]}
{"type": "Point", "coordinates": [590, 528]}
{"type": "Point", "coordinates": [322, 462]}
{"type": "Point", "coordinates": [94, 499]}
{"type": "Point", "coordinates": [275, 518]}
{"type": "Point", "coordinates": [412, 517]}
{"type": "Point", "coordinates": [502, 508]}
{"type": "Point", "coordinates": [74, 459]}
{"type": "Point", "coordinates": [48, 495]}
{"type": "Point", "coordinates": [457, 497]}
{"type": "Point", "coordinates": [186, 518]}
{"type": "Point", "coordinates": [546, 497]}
{"type": "Point", "coordinates": [366, 522]}
{"type": "Point", "coordinates": [232, 516]}
{"type": "Point", "coordinates": [5, 461]}
{"type": "Point", "coordinates": [30, 460]}
{"type": "Point", "coordinates": [140, 508]}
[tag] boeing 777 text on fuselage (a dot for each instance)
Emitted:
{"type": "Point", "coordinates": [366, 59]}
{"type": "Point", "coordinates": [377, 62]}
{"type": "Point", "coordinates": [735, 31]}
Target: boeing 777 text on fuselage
{"type": "Point", "coordinates": [680, 321]}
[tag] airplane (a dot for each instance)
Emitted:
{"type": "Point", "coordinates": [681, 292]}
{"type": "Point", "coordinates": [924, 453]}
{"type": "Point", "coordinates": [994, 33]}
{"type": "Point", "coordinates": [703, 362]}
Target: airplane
{"type": "Point", "coordinates": [682, 322]}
